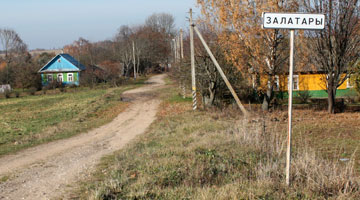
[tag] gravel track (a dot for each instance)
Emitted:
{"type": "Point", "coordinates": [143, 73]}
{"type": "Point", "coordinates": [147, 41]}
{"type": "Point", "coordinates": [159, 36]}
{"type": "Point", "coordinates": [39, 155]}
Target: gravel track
{"type": "Point", "coordinates": [46, 171]}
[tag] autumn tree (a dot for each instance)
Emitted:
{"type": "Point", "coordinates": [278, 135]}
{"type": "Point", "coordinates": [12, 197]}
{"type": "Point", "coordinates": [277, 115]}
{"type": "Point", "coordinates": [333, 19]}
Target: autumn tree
{"type": "Point", "coordinates": [26, 69]}
{"type": "Point", "coordinates": [133, 49]}
{"type": "Point", "coordinates": [13, 47]}
{"type": "Point", "coordinates": [253, 50]}
{"type": "Point", "coordinates": [158, 49]}
{"type": "Point", "coordinates": [356, 78]}
{"type": "Point", "coordinates": [102, 51]}
{"type": "Point", "coordinates": [210, 83]}
{"type": "Point", "coordinates": [336, 48]}
{"type": "Point", "coordinates": [82, 50]}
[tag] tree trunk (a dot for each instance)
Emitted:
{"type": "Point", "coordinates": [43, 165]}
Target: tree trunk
{"type": "Point", "coordinates": [265, 104]}
{"type": "Point", "coordinates": [267, 99]}
{"type": "Point", "coordinates": [212, 98]}
{"type": "Point", "coordinates": [209, 99]}
{"type": "Point", "coordinates": [331, 99]}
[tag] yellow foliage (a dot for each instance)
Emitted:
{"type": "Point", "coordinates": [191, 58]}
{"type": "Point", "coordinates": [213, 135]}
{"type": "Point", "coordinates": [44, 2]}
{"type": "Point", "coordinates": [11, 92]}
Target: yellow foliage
{"type": "Point", "coordinates": [245, 43]}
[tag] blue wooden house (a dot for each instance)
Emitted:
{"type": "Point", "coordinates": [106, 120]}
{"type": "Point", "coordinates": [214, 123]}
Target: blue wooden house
{"type": "Point", "coordinates": [63, 68]}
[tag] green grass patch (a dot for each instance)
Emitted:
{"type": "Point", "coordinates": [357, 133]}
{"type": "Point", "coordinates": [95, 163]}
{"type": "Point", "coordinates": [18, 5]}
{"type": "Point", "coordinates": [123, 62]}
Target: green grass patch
{"type": "Point", "coordinates": [4, 179]}
{"type": "Point", "coordinates": [33, 120]}
{"type": "Point", "coordinates": [178, 99]}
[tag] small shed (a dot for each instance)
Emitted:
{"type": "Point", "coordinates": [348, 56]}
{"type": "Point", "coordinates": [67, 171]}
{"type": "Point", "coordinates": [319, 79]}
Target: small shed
{"type": "Point", "coordinates": [4, 88]}
{"type": "Point", "coordinates": [63, 69]}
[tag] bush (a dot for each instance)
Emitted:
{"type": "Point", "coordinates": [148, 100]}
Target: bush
{"type": "Point", "coordinates": [73, 86]}
{"type": "Point", "coordinates": [53, 85]}
{"type": "Point", "coordinates": [7, 93]}
{"type": "Point", "coordinates": [304, 96]}
{"type": "Point", "coordinates": [17, 94]}
{"type": "Point", "coordinates": [62, 89]}
{"type": "Point", "coordinates": [44, 90]}
{"type": "Point", "coordinates": [357, 99]}
{"type": "Point", "coordinates": [349, 99]}
{"type": "Point", "coordinates": [32, 91]}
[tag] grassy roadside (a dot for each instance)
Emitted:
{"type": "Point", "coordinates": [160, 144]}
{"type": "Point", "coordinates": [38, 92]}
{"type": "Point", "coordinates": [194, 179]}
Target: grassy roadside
{"type": "Point", "coordinates": [33, 120]}
{"type": "Point", "coordinates": [216, 155]}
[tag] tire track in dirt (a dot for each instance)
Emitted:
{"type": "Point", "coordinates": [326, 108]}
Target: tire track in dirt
{"type": "Point", "coordinates": [45, 171]}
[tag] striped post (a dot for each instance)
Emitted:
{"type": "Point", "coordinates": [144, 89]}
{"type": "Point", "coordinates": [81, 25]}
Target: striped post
{"type": "Point", "coordinates": [192, 51]}
{"type": "Point", "coordinates": [194, 99]}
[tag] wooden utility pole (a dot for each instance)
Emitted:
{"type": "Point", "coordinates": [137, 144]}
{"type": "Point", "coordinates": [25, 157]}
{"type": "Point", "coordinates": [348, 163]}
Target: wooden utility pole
{"type": "Point", "coordinates": [192, 51]}
{"type": "Point", "coordinates": [134, 59]}
{"type": "Point", "coordinates": [242, 108]}
{"type": "Point", "coordinates": [175, 50]}
{"type": "Point", "coordinates": [181, 63]}
{"type": "Point", "coordinates": [181, 44]}
{"type": "Point", "coordinates": [178, 47]}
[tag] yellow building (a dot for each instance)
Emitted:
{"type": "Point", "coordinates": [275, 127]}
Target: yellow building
{"type": "Point", "coordinates": [315, 83]}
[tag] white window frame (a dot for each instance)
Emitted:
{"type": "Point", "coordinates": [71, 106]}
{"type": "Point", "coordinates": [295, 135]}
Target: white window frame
{"type": "Point", "coordinates": [348, 83]}
{"type": "Point", "coordinates": [49, 76]}
{"type": "Point", "coordinates": [277, 83]}
{"type": "Point", "coordinates": [72, 77]}
{"type": "Point", "coordinates": [60, 78]}
{"type": "Point", "coordinates": [295, 86]}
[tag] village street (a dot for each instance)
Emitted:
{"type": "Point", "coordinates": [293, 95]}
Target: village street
{"type": "Point", "coordinates": [45, 171]}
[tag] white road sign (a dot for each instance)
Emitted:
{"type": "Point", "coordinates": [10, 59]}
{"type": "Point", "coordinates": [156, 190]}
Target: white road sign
{"type": "Point", "coordinates": [293, 21]}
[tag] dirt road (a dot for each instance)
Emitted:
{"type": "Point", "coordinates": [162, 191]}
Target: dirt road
{"type": "Point", "coordinates": [45, 171]}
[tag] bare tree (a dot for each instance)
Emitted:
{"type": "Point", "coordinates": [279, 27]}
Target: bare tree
{"type": "Point", "coordinates": [12, 44]}
{"type": "Point", "coordinates": [161, 22]}
{"type": "Point", "coordinates": [335, 49]}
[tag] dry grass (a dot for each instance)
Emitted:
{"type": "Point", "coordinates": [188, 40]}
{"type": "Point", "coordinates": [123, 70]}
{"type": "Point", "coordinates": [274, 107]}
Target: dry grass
{"type": "Point", "coordinates": [331, 136]}
{"type": "Point", "coordinates": [219, 155]}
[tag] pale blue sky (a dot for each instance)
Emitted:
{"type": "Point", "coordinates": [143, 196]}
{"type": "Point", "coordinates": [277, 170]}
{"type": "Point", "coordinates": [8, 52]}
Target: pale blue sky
{"type": "Point", "coordinates": [55, 23]}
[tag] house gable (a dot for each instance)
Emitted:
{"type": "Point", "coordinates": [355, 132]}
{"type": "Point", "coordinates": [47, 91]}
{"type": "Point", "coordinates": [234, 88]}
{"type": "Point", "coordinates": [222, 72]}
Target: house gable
{"type": "Point", "coordinates": [62, 63]}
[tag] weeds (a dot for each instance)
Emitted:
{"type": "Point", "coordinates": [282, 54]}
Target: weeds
{"type": "Point", "coordinates": [213, 155]}
{"type": "Point", "coordinates": [304, 96]}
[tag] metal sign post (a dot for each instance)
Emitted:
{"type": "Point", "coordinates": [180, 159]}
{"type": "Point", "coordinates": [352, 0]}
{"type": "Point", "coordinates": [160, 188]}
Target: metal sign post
{"type": "Point", "coordinates": [292, 21]}
{"type": "Point", "coordinates": [291, 82]}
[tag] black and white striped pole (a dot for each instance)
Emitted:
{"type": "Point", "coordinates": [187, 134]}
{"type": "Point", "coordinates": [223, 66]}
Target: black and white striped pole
{"type": "Point", "coordinates": [192, 51]}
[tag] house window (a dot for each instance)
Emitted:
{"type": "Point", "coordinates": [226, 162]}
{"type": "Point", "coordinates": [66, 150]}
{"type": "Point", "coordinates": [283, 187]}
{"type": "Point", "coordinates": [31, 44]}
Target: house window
{"type": "Point", "coordinates": [276, 83]}
{"type": "Point", "coordinates": [49, 77]}
{"type": "Point", "coordinates": [295, 82]}
{"type": "Point", "coordinates": [70, 77]}
{"type": "Point", "coordinates": [349, 83]}
{"type": "Point", "coordinates": [60, 78]}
